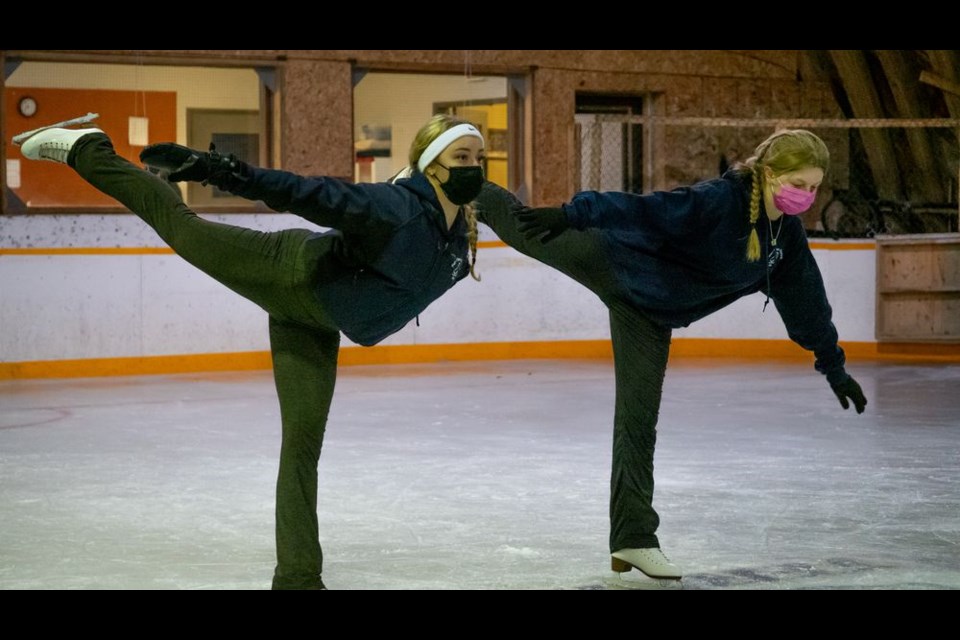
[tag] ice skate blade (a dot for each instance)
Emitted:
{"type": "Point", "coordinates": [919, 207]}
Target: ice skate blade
{"type": "Point", "coordinates": [20, 138]}
{"type": "Point", "coordinates": [642, 582]}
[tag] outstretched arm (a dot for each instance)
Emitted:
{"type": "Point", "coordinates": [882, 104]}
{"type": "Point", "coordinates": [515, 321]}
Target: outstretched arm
{"type": "Point", "coordinates": [663, 213]}
{"type": "Point", "coordinates": [671, 213]}
{"type": "Point", "coordinates": [797, 291]}
{"type": "Point", "coordinates": [326, 201]}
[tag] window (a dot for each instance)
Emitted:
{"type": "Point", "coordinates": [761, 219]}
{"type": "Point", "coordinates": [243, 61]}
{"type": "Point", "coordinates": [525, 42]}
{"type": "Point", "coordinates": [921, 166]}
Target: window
{"type": "Point", "coordinates": [389, 109]}
{"type": "Point", "coordinates": [490, 117]}
{"type": "Point", "coordinates": [609, 136]}
{"type": "Point", "coordinates": [138, 105]}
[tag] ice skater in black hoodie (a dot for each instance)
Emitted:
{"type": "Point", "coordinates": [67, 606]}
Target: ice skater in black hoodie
{"type": "Point", "coordinates": [393, 249]}
{"type": "Point", "coordinates": [663, 260]}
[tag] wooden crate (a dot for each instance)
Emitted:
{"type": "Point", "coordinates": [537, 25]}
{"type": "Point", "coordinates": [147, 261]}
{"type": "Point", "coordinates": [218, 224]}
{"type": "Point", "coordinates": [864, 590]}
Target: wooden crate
{"type": "Point", "coordinates": [918, 288]}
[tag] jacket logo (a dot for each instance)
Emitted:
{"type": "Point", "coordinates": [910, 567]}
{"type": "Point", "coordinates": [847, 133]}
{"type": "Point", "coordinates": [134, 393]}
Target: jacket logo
{"type": "Point", "coordinates": [775, 256]}
{"type": "Point", "coordinates": [455, 266]}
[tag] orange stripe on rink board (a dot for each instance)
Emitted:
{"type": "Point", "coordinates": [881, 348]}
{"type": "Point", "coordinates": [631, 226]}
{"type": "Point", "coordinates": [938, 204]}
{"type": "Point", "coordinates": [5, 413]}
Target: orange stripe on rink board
{"type": "Point", "coordinates": [405, 354]}
{"type": "Point", "coordinates": [251, 360]}
{"type": "Point", "coordinates": [924, 351]}
{"type": "Point", "coordinates": [725, 348]}
{"type": "Point", "coordinates": [844, 246]}
{"type": "Point", "coordinates": [410, 354]}
{"type": "Point", "coordinates": [146, 365]}
{"type": "Point", "coordinates": [737, 349]}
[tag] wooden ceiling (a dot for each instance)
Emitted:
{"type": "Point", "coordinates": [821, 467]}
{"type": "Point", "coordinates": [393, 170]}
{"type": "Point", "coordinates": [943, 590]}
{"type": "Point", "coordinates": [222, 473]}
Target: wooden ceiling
{"type": "Point", "coordinates": [906, 164]}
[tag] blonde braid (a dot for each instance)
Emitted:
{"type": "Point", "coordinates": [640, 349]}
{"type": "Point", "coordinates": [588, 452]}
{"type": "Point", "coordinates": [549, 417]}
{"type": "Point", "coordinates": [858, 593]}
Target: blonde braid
{"type": "Point", "coordinates": [470, 213]}
{"type": "Point", "coordinates": [753, 243]}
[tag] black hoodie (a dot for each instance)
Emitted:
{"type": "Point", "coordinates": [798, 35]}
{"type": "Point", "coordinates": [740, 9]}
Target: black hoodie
{"type": "Point", "coordinates": [681, 255]}
{"type": "Point", "coordinates": [391, 252]}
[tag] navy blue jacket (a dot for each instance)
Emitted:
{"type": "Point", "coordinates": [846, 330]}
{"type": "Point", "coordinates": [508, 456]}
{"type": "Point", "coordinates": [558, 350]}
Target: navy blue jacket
{"type": "Point", "coordinates": [681, 255]}
{"type": "Point", "coordinates": [391, 252]}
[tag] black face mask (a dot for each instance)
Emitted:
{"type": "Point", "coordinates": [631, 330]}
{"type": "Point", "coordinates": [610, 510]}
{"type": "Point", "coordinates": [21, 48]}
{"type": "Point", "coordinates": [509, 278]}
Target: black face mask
{"type": "Point", "coordinates": [463, 185]}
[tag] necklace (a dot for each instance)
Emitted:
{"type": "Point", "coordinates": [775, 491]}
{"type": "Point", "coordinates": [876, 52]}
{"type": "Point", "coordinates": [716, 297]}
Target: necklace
{"type": "Point", "coordinates": [774, 238]}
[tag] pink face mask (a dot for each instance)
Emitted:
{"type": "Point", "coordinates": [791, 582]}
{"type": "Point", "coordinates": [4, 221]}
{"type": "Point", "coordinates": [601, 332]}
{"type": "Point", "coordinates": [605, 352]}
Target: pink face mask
{"type": "Point", "coordinates": [793, 201]}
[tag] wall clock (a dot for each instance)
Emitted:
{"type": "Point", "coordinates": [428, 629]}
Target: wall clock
{"type": "Point", "coordinates": [28, 106]}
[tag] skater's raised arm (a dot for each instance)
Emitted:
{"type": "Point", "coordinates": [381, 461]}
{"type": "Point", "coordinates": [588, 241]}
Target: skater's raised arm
{"type": "Point", "coordinates": [325, 201]}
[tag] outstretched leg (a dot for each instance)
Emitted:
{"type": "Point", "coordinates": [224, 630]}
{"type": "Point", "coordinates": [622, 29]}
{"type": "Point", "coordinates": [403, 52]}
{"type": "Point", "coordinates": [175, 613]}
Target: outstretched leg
{"type": "Point", "coordinates": [305, 371]}
{"type": "Point", "coordinates": [640, 352]}
{"type": "Point", "coordinates": [578, 254]}
{"type": "Point", "coordinates": [262, 267]}
{"type": "Point", "coordinates": [276, 271]}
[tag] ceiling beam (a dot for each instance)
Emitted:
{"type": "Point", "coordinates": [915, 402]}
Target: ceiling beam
{"type": "Point", "coordinates": [865, 102]}
{"type": "Point", "coordinates": [923, 176]}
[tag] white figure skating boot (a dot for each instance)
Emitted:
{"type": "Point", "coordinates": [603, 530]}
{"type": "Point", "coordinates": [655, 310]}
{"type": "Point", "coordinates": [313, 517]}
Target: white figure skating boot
{"type": "Point", "coordinates": [656, 567]}
{"type": "Point", "coordinates": [53, 144]}
{"type": "Point", "coordinates": [54, 141]}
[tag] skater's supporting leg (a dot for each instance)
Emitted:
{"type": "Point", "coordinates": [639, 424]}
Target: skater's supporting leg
{"type": "Point", "coordinates": [276, 271]}
{"type": "Point", "coordinates": [304, 369]}
{"type": "Point", "coordinates": [640, 350]}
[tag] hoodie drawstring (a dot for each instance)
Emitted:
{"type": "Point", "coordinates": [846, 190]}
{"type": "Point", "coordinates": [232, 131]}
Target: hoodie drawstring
{"type": "Point", "coordinates": [767, 260]}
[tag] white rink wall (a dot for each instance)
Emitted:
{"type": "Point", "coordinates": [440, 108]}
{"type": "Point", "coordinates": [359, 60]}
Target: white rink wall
{"type": "Point", "coordinates": [66, 306]}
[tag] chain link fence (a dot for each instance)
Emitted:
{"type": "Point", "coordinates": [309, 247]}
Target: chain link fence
{"type": "Point", "coordinates": [887, 176]}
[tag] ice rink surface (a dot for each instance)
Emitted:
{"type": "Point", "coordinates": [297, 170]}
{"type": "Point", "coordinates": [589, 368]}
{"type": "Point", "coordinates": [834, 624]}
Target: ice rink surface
{"type": "Point", "coordinates": [488, 475]}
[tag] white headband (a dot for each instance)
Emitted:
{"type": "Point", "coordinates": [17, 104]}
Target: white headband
{"type": "Point", "coordinates": [442, 141]}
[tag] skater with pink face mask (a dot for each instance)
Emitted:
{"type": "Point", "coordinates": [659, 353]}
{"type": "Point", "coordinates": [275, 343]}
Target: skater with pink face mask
{"type": "Point", "coordinates": [666, 259]}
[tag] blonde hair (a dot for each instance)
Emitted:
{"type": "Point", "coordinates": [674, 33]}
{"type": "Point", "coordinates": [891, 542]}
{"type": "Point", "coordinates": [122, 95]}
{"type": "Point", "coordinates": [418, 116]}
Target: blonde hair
{"type": "Point", "coordinates": [427, 134]}
{"type": "Point", "coordinates": [785, 151]}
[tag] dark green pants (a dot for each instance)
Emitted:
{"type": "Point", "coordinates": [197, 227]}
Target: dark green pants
{"type": "Point", "coordinates": [277, 271]}
{"type": "Point", "coordinates": [640, 351]}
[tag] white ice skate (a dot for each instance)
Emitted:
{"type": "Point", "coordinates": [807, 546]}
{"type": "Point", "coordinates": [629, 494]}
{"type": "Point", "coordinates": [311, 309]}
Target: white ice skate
{"type": "Point", "coordinates": [20, 138]}
{"type": "Point", "coordinates": [656, 569]}
{"type": "Point", "coordinates": [53, 144]}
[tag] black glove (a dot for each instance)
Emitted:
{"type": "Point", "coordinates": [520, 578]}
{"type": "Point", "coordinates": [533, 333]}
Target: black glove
{"type": "Point", "coordinates": [848, 388]}
{"type": "Point", "coordinates": [187, 165]}
{"type": "Point", "coordinates": [549, 221]}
